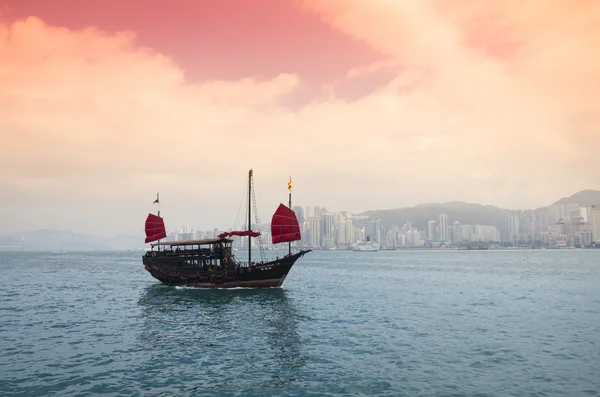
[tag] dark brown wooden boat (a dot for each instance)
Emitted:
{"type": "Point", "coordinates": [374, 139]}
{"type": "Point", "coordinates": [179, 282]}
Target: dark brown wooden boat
{"type": "Point", "coordinates": [210, 263]}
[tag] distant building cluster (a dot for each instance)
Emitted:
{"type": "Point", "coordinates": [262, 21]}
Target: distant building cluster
{"type": "Point", "coordinates": [555, 226]}
{"type": "Point", "coordinates": [442, 232]}
{"type": "Point", "coordinates": [566, 225]}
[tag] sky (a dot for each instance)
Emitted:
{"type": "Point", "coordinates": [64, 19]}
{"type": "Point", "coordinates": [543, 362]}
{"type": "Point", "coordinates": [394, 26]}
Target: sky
{"type": "Point", "coordinates": [367, 105]}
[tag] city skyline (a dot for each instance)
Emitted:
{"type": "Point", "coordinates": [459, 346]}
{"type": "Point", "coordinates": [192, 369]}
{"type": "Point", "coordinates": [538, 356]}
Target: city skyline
{"type": "Point", "coordinates": [367, 104]}
{"type": "Point", "coordinates": [558, 225]}
{"type": "Point", "coordinates": [174, 224]}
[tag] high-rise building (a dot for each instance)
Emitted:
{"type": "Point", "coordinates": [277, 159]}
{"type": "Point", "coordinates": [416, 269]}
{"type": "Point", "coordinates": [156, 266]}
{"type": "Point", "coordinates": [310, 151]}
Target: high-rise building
{"type": "Point", "coordinates": [583, 213]}
{"type": "Point", "coordinates": [534, 229]}
{"type": "Point", "coordinates": [309, 212]}
{"type": "Point", "coordinates": [326, 225]}
{"type": "Point", "coordinates": [431, 230]}
{"type": "Point", "coordinates": [371, 230]}
{"type": "Point", "coordinates": [349, 231]}
{"type": "Point", "coordinates": [299, 213]}
{"type": "Point", "coordinates": [317, 212]}
{"type": "Point", "coordinates": [315, 232]}
{"type": "Point", "coordinates": [585, 238]}
{"type": "Point", "coordinates": [466, 232]}
{"type": "Point", "coordinates": [337, 218]}
{"type": "Point", "coordinates": [557, 212]}
{"type": "Point", "coordinates": [443, 222]}
{"type": "Point", "coordinates": [413, 237]}
{"type": "Point", "coordinates": [359, 234]}
{"type": "Point", "coordinates": [513, 227]}
{"type": "Point", "coordinates": [595, 217]}
{"type": "Point", "coordinates": [486, 233]}
{"type": "Point", "coordinates": [456, 232]}
{"type": "Point", "coordinates": [341, 238]}
{"type": "Point", "coordinates": [344, 232]}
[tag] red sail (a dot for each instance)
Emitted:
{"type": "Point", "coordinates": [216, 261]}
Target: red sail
{"type": "Point", "coordinates": [243, 233]}
{"type": "Point", "coordinates": [284, 225]}
{"type": "Point", "coordinates": [155, 228]}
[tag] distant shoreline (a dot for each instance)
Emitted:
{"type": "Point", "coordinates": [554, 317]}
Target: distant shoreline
{"type": "Point", "coordinates": [67, 251]}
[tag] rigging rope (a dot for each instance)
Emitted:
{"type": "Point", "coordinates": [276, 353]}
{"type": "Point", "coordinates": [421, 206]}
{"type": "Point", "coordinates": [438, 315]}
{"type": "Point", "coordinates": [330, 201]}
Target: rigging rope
{"type": "Point", "coordinates": [258, 224]}
{"type": "Point", "coordinates": [244, 202]}
{"type": "Point", "coordinates": [237, 217]}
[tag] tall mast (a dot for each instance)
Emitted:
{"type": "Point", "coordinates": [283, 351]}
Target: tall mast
{"type": "Point", "coordinates": [249, 216]}
{"type": "Point", "coordinates": [290, 207]}
{"type": "Point", "coordinates": [157, 201]}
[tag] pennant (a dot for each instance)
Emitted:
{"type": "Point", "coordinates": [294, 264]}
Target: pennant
{"type": "Point", "coordinates": [290, 183]}
{"type": "Point", "coordinates": [155, 201]}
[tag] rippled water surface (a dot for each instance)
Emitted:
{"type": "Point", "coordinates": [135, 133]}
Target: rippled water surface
{"type": "Point", "coordinates": [395, 323]}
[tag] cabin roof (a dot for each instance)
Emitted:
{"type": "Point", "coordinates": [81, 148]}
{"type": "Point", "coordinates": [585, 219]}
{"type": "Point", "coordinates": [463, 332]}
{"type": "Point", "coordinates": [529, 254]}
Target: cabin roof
{"type": "Point", "coordinates": [207, 241]}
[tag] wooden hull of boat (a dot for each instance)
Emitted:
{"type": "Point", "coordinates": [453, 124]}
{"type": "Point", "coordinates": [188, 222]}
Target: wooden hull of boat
{"type": "Point", "coordinates": [176, 271]}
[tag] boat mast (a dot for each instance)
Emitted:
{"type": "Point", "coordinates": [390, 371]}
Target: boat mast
{"type": "Point", "coordinates": [249, 217]}
{"type": "Point", "coordinates": [157, 201]}
{"type": "Point", "coordinates": [290, 207]}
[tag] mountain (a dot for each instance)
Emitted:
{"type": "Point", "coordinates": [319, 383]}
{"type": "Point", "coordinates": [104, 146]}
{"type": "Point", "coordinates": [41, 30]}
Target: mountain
{"type": "Point", "coordinates": [585, 198]}
{"type": "Point", "coordinates": [468, 213]}
{"type": "Point", "coordinates": [465, 213]}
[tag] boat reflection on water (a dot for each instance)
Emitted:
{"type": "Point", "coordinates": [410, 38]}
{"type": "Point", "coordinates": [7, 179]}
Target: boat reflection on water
{"type": "Point", "coordinates": [239, 337]}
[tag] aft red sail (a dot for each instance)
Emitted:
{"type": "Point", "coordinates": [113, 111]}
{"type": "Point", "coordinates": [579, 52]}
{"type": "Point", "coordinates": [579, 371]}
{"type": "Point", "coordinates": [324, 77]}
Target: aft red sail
{"type": "Point", "coordinates": [242, 233]}
{"type": "Point", "coordinates": [284, 225]}
{"type": "Point", "coordinates": [155, 228]}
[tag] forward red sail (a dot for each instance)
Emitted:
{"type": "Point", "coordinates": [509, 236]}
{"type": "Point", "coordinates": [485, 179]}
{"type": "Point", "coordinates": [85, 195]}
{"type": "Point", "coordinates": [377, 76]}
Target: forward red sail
{"type": "Point", "coordinates": [242, 233]}
{"type": "Point", "coordinates": [284, 225]}
{"type": "Point", "coordinates": [155, 228]}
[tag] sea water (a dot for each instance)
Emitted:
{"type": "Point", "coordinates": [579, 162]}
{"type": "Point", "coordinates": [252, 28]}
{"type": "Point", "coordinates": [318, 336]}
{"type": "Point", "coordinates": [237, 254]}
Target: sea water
{"type": "Point", "coordinates": [388, 323]}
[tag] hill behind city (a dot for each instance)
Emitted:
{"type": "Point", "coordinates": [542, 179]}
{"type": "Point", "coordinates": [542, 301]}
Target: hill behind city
{"type": "Point", "coordinates": [468, 213]}
{"type": "Point", "coordinates": [419, 215]}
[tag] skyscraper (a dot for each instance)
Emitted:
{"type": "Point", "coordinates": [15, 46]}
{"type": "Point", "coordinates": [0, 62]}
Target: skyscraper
{"type": "Point", "coordinates": [595, 216]}
{"type": "Point", "coordinates": [513, 227]}
{"type": "Point", "coordinates": [326, 225]}
{"type": "Point", "coordinates": [315, 232]}
{"type": "Point", "coordinates": [309, 212]}
{"type": "Point", "coordinates": [349, 231]}
{"type": "Point", "coordinates": [583, 213]}
{"type": "Point", "coordinates": [299, 213]}
{"type": "Point", "coordinates": [318, 211]}
{"type": "Point", "coordinates": [443, 221]}
{"type": "Point", "coordinates": [456, 232]}
{"type": "Point", "coordinates": [327, 230]}
{"type": "Point", "coordinates": [431, 230]}
{"type": "Point", "coordinates": [341, 238]}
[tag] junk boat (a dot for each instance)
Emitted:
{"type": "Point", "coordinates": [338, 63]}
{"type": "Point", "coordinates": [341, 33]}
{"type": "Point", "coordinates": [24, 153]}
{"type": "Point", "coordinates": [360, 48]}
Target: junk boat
{"type": "Point", "coordinates": [210, 263]}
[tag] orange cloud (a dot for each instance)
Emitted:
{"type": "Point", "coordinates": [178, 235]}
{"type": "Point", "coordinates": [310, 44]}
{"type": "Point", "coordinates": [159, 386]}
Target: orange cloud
{"type": "Point", "coordinates": [519, 85]}
{"type": "Point", "coordinates": [98, 122]}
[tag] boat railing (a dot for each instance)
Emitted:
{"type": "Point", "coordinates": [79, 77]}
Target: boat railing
{"type": "Point", "coordinates": [247, 264]}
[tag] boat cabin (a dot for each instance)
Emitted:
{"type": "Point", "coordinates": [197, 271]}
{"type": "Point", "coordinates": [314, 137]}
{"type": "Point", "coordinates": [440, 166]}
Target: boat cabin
{"type": "Point", "coordinates": [208, 252]}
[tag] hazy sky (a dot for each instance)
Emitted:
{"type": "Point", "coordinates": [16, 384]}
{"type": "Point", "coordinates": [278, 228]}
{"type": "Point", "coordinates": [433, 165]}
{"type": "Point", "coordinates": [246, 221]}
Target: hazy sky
{"type": "Point", "coordinates": [367, 104]}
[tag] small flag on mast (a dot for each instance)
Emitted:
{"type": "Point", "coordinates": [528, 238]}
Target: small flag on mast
{"type": "Point", "coordinates": [290, 183]}
{"type": "Point", "coordinates": [155, 201]}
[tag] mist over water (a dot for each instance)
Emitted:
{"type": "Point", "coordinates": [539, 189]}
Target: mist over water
{"type": "Point", "coordinates": [395, 323]}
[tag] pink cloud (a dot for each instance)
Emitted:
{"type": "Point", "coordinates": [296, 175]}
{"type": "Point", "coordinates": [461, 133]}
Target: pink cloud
{"type": "Point", "coordinates": [95, 120]}
{"type": "Point", "coordinates": [224, 40]}
{"type": "Point", "coordinates": [542, 73]}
